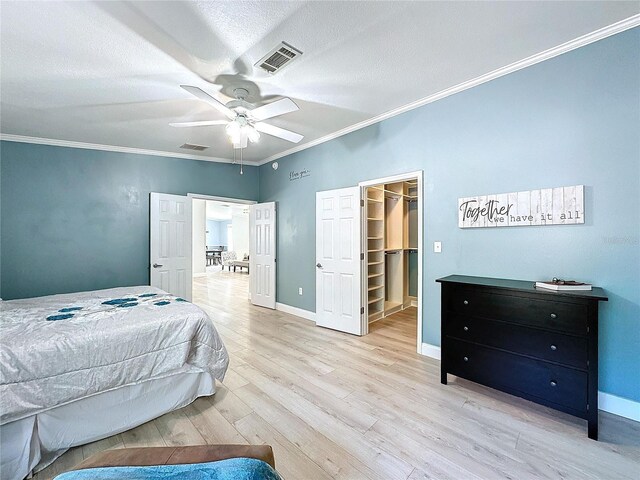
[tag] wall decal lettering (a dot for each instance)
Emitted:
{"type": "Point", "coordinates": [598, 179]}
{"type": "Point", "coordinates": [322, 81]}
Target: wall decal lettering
{"type": "Point", "coordinates": [297, 175]}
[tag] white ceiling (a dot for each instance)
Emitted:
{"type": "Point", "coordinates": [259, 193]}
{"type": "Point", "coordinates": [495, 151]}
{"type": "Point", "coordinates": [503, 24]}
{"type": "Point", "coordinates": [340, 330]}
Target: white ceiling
{"type": "Point", "coordinates": [224, 211]}
{"type": "Point", "coordinates": [109, 72]}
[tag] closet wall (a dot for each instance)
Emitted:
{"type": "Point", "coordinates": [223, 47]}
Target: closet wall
{"type": "Point", "coordinates": [392, 247]}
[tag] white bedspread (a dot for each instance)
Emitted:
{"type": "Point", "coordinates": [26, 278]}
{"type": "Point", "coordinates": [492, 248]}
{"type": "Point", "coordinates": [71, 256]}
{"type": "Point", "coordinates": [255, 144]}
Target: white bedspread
{"type": "Point", "coordinates": [61, 348]}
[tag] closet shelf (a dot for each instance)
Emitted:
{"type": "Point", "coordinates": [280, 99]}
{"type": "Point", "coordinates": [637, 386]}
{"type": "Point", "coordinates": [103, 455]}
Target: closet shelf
{"type": "Point", "coordinates": [374, 275]}
{"type": "Point", "coordinates": [376, 219]}
{"type": "Point", "coordinates": [376, 263]}
{"type": "Point", "coordinates": [375, 250]}
{"type": "Point", "coordinates": [375, 299]}
{"type": "Point", "coordinates": [393, 195]}
{"type": "Point", "coordinates": [375, 200]}
{"type": "Point", "coordinates": [375, 238]}
{"type": "Point", "coordinates": [375, 287]}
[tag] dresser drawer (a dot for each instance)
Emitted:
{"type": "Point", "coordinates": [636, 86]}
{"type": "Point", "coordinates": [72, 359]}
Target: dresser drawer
{"type": "Point", "coordinates": [536, 312]}
{"type": "Point", "coordinates": [513, 373]}
{"type": "Point", "coordinates": [546, 345]}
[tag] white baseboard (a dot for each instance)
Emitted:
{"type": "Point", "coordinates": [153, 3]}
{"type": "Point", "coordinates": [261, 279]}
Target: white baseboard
{"type": "Point", "coordinates": [429, 350]}
{"type": "Point", "coordinates": [199, 275]}
{"type": "Point", "coordinates": [298, 312]}
{"type": "Point", "coordinates": [606, 401]}
{"type": "Point", "coordinates": [619, 406]}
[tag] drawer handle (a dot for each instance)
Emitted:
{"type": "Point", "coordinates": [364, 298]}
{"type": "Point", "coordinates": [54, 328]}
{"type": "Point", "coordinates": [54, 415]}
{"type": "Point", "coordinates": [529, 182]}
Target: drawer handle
{"type": "Point", "coordinates": [554, 348]}
{"type": "Point", "coordinates": [465, 328]}
{"type": "Point", "coordinates": [466, 359]}
{"type": "Point", "coordinates": [553, 315]}
{"type": "Point", "coordinates": [553, 383]}
{"type": "Point", "coordinates": [466, 302]}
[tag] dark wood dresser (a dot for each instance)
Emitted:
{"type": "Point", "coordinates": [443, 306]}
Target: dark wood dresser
{"type": "Point", "coordinates": [537, 344]}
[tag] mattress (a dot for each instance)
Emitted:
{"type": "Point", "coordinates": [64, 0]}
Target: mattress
{"type": "Point", "coordinates": [61, 348]}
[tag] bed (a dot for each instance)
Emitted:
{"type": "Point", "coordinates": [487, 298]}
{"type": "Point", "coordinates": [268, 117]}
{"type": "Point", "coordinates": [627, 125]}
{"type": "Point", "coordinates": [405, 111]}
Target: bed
{"type": "Point", "coordinates": [76, 368]}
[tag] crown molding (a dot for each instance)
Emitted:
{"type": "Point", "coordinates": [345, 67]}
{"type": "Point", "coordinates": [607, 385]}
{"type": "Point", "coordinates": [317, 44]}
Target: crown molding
{"type": "Point", "coordinates": [600, 34]}
{"type": "Point", "coordinates": [110, 148]}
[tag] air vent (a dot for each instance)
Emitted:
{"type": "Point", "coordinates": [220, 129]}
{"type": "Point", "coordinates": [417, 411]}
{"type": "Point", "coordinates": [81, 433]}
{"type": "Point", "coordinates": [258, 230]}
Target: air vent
{"type": "Point", "coordinates": [191, 146]}
{"type": "Point", "coordinates": [278, 58]}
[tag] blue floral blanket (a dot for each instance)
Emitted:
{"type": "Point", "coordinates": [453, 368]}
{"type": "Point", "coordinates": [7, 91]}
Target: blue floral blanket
{"type": "Point", "coordinates": [231, 469]}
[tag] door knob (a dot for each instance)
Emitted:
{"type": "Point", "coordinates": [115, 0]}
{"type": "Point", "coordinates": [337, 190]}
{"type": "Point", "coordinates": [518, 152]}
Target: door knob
{"type": "Point", "coordinates": [319, 265]}
{"type": "Point", "coordinates": [156, 265]}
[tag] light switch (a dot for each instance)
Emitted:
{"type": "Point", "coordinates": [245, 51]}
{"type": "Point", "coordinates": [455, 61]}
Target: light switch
{"type": "Point", "coordinates": [437, 247]}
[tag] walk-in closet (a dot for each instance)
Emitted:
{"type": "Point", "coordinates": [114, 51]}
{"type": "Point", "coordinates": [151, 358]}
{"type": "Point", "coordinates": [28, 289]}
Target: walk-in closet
{"type": "Point", "coordinates": [392, 248]}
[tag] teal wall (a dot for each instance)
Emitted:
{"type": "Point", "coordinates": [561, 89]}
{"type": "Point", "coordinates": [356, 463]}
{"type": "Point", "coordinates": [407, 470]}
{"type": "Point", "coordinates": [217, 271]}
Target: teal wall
{"type": "Point", "coordinates": [74, 219]}
{"type": "Point", "coordinates": [570, 120]}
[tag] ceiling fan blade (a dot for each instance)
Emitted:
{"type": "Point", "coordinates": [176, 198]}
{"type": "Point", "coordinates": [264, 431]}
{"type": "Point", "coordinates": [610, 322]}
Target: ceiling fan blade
{"type": "Point", "coordinates": [243, 140]}
{"type": "Point", "coordinates": [202, 95]}
{"type": "Point", "coordinates": [278, 132]}
{"type": "Point", "coordinates": [204, 123]}
{"type": "Point", "coordinates": [273, 109]}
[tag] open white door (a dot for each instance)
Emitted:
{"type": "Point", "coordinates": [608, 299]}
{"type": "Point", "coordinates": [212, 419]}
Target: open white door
{"type": "Point", "coordinates": [262, 254]}
{"type": "Point", "coordinates": [170, 244]}
{"type": "Point", "coordinates": [338, 260]}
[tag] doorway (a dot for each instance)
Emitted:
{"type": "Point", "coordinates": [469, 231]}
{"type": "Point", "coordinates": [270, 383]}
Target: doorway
{"type": "Point", "coordinates": [371, 247]}
{"type": "Point", "coordinates": [392, 246]}
{"type": "Point", "coordinates": [220, 240]}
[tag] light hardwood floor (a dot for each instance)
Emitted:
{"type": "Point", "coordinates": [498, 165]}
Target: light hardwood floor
{"type": "Point", "coordinates": [334, 405]}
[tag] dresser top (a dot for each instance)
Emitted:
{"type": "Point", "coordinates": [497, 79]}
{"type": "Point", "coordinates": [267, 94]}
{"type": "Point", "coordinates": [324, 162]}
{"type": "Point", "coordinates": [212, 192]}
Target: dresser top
{"type": "Point", "coordinates": [596, 293]}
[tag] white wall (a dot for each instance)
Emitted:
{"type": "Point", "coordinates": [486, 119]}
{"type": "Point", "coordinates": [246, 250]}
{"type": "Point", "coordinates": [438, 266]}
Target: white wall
{"type": "Point", "coordinates": [199, 213]}
{"type": "Point", "coordinates": [240, 226]}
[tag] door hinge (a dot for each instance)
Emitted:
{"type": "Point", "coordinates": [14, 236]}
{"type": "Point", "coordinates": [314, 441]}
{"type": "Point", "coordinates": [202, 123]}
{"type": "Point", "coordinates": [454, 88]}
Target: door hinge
{"type": "Point", "coordinates": [587, 407]}
{"type": "Point", "coordinates": [362, 256]}
{"type": "Point", "coordinates": [361, 310]}
{"type": "Point", "coordinates": [362, 203]}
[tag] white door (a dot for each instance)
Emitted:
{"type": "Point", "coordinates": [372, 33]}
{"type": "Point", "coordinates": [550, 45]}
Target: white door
{"type": "Point", "coordinates": [262, 254]}
{"type": "Point", "coordinates": [338, 260]}
{"type": "Point", "coordinates": [170, 244]}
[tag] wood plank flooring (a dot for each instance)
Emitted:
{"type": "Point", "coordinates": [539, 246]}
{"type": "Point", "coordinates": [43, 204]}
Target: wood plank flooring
{"type": "Point", "coordinates": [334, 405]}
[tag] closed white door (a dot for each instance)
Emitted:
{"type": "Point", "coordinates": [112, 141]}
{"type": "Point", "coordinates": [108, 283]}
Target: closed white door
{"type": "Point", "coordinates": [262, 254]}
{"type": "Point", "coordinates": [338, 264]}
{"type": "Point", "coordinates": [170, 244]}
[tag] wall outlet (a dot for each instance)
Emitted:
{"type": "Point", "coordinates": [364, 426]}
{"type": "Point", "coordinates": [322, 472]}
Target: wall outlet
{"type": "Point", "coordinates": [300, 291]}
{"type": "Point", "coordinates": [437, 247]}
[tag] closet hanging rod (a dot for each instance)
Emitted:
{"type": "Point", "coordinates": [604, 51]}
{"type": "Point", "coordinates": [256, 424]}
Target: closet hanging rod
{"type": "Point", "coordinates": [392, 253]}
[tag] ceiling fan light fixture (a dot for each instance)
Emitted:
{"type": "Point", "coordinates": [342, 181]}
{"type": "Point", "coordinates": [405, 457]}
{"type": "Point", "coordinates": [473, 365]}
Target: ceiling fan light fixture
{"type": "Point", "coordinates": [245, 122]}
{"type": "Point", "coordinates": [252, 134]}
{"type": "Point", "coordinates": [233, 129]}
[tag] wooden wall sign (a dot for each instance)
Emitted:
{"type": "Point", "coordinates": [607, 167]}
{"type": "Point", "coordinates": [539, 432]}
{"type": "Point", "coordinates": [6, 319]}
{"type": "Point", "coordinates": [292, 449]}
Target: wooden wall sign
{"type": "Point", "coordinates": [547, 206]}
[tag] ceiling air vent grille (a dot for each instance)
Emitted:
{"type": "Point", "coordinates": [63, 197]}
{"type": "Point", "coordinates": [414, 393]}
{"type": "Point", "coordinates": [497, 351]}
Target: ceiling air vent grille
{"type": "Point", "coordinates": [278, 58]}
{"type": "Point", "coordinates": [191, 146]}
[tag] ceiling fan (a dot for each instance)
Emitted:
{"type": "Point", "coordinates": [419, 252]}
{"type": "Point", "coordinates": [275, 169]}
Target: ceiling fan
{"type": "Point", "coordinates": [245, 119]}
